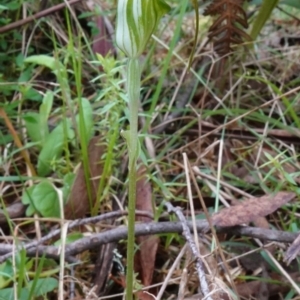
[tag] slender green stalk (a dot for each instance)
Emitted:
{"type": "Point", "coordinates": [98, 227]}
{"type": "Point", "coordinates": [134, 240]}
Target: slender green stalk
{"type": "Point", "coordinates": [136, 21]}
{"type": "Point", "coordinates": [133, 86]}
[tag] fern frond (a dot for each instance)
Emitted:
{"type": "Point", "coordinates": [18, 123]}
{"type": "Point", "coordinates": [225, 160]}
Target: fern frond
{"type": "Point", "coordinates": [227, 28]}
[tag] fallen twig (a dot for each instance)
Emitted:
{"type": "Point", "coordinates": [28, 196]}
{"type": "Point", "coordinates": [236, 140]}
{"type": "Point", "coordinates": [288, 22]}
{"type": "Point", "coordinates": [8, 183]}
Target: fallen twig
{"type": "Point", "coordinates": [36, 16]}
{"type": "Point", "coordinates": [188, 236]}
{"type": "Point", "coordinates": [76, 223]}
{"type": "Point", "coordinates": [120, 233]}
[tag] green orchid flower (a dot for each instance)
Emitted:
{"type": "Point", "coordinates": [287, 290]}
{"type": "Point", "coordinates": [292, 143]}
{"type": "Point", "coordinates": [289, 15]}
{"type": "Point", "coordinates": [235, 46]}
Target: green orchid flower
{"type": "Point", "coordinates": [136, 21]}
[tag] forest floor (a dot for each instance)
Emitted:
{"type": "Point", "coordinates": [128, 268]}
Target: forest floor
{"type": "Point", "coordinates": [219, 159]}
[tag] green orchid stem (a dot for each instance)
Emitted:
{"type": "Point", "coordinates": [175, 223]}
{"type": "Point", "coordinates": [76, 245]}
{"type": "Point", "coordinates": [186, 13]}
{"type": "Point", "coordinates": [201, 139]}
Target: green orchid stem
{"type": "Point", "coordinates": [133, 86]}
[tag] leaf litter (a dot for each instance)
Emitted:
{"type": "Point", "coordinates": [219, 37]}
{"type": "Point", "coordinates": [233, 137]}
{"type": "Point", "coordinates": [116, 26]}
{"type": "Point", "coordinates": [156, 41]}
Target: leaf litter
{"type": "Point", "coordinates": [248, 158]}
{"type": "Point", "coordinates": [249, 210]}
{"type": "Point", "coordinates": [147, 245]}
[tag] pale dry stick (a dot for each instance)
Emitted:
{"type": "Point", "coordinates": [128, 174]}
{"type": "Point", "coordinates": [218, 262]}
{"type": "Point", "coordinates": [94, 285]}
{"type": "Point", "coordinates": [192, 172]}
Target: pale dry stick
{"type": "Point", "coordinates": [29, 39]}
{"type": "Point", "coordinates": [223, 200]}
{"type": "Point", "coordinates": [264, 134]}
{"type": "Point", "coordinates": [55, 27]}
{"type": "Point", "coordinates": [186, 63]}
{"type": "Point", "coordinates": [219, 171]}
{"type": "Point", "coordinates": [150, 148]}
{"type": "Point", "coordinates": [281, 114]}
{"type": "Point", "coordinates": [230, 92]}
{"type": "Point", "coordinates": [35, 216]}
{"type": "Point", "coordinates": [72, 224]}
{"type": "Point", "coordinates": [199, 263]}
{"type": "Point", "coordinates": [63, 237]}
{"type": "Point", "coordinates": [257, 241]}
{"type": "Point", "coordinates": [235, 258]}
{"type": "Point", "coordinates": [170, 272]}
{"type": "Point", "coordinates": [182, 77]}
{"type": "Point", "coordinates": [36, 16]}
{"type": "Point", "coordinates": [14, 252]}
{"type": "Point", "coordinates": [283, 272]}
{"type": "Point", "coordinates": [182, 285]}
{"type": "Point", "coordinates": [208, 149]}
{"type": "Point", "coordinates": [293, 151]}
{"type": "Point", "coordinates": [199, 119]}
{"type": "Point", "coordinates": [234, 120]}
{"type": "Point", "coordinates": [64, 232]}
{"type": "Point", "coordinates": [215, 190]}
{"type": "Point", "coordinates": [213, 231]}
{"type": "Point", "coordinates": [119, 233]}
{"type": "Point", "coordinates": [225, 184]}
{"type": "Point", "coordinates": [24, 15]}
{"type": "Point", "coordinates": [160, 127]}
{"type": "Point", "coordinates": [258, 61]}
{"type": "Point", "coordinates": [171, 280]}
{"type": "Point", "coordinates": [71, 10]}
{"type": "Point", "coordinates": [4, 188]}
{"type": "Point", "coordinates": [152, 153]}
{"type": "Point", "coordinates": [190, 196]}
{"type": "Point", "coordinates": [14, 267]}
{"type": "Point", "coordinates": [223, 193]}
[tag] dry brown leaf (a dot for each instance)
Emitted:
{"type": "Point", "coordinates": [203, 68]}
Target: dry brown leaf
{"type": "Point", "coordinates": [250, 289]}
{"type": "Point", "coordinates": [78, 203]}
{"type": "Point", "coordinates": [260, 222]}
{"type": "Point", "coordinates": [102, 42]}
{"type": "Point", "coordinates": [145, 257]}
{"type": "Point", "coordinates": [251, 209]}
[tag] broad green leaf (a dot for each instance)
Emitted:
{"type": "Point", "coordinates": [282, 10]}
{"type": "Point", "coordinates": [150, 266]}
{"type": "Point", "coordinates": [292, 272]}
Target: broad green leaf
{"type": "Point", "coordinates": [68, 183]}
{"type": "Point", "coordinates": [72, 237]}
{"type": "Point", "coordinates": [45, 199]}
{"type": "Point", "coordinates": [45, 110]}
{"type": "Point", "coordinates": [32, 124]}
{"type": "Point", "coordinates": [8, 294]}
{"type": "Point", "coordinates": [87, 113]}
{"type": "Point", "coordinates": [32, 95]}
{"type": "Point", "coordinates": [27, 200]}
{"type": "Point", "coordinates": [12, 5]}
{"type": "Point", "coordinates": [52, 149]}
{"type": "Point", "coordinates": [262, 17]}
{"type": "Point", "coordinates": [46, 106]}
{"type": "Point", "coordinates": [45, 60]}
{"type": "Point", "coordinates": [44, 286]}
{"type": "Point", "coordinates": [42, 60]}
{"type": "Point", "coordinates": [25, 76]}
{"type": "Point", "coordinates": [6, 273]}
{"type": "Point", "coordinates": [4, 140]}
{"type": "Point", "coordinates": [293, 3]}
